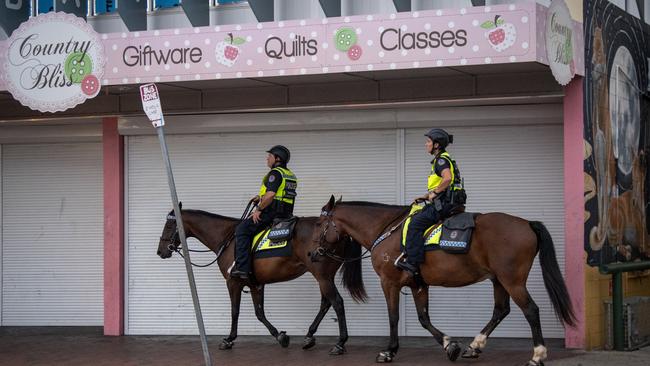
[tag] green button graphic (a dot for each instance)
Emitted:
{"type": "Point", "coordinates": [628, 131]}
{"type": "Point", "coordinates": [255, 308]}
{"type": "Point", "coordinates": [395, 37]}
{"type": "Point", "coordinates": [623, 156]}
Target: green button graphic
{"type": "Point", "coordinates": [345, 38]}
{"type": "Point", "coordinates": [77, 66]}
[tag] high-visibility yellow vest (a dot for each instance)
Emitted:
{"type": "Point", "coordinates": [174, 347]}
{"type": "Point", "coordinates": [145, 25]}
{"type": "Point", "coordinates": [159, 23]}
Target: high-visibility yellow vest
{"type": "Point", "coordinates": [434, 179]}
{"type": "Point", "coordinates": [287, 191]}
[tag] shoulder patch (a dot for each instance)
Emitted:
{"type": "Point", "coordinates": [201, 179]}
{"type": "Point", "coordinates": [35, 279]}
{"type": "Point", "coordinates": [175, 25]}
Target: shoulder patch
{"type": "Point", "coordinates": [271, 178]}
{"type": "Point", "coordinates": [441, 161]}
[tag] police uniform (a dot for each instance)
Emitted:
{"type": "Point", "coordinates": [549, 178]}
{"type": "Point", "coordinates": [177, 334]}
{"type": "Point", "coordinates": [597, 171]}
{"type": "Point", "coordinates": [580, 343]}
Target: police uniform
{"type": "Point", "coordinates": [284, 183]}
{"type": "Point", "coordinates": [436, 211]}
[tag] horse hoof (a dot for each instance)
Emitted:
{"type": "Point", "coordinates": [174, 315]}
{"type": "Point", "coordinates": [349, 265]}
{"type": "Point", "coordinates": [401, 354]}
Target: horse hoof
{"type": "Point", "coordinates": [226, 344]}
{"type": "Point", "coordinates": [471, 352]}
{"type": "Point", "coordinates": [309, 342]}
{"type": "Point", "coordinates": [453, 351]}
{"type": "Point", "coordinates": [534, 363]}
{"type": "Point", "coordinates": [337, 350]}
{"type": "Point", "coordinates": [385, 357]}
{"type": "Point", "coordinates": [283, 339]}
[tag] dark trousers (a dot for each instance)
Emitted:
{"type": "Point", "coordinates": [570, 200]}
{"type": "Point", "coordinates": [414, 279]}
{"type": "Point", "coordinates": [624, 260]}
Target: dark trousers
{"type": "Point", "coordinates": [244, 234]}
{"type": "Point", "coordinates": [415, 233]}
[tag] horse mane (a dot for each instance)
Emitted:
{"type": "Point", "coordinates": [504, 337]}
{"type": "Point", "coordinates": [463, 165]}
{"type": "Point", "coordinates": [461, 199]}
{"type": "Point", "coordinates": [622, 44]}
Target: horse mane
{"type": "Point", "coordinates": [212, 215]}
{"type": "Point", "coordinates": [369, 204]}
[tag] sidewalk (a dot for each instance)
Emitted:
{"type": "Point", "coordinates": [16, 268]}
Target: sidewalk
{"type": "Point", "coordinates": [88, 347]}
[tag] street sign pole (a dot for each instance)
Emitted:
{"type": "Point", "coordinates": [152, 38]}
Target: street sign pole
{"type": "Point", "coordinates": [153, 109]}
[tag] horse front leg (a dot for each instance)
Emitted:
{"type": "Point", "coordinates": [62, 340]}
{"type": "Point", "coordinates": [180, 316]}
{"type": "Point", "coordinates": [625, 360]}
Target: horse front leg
{"type": "Point", "coordinates": [234, 290]}
{"type": "Point", "coordinates": [391, 292]}
{"type": "Point", "coordinates": [501, 310]}
{"type": "Point", "coordinates": [257, 295]}
{"type": "Point", "coordinates": [421, 300]}
{"type": "Point", "coordinates": [310, 340]}
{"type": "Point", "coordinates": [328, 289]}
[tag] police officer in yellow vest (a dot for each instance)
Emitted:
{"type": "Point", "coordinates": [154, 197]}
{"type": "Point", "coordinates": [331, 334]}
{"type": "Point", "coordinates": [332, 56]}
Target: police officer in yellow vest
{"type": "Point", "coordinates": [444, 192]}
{"type": "Point", "coordinates": [275, 200]}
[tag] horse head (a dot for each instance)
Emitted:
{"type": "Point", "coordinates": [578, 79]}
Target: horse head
{"type": "Point", "coordinates": [169, 239]}
{"type": "Point", "coordinates": [328, 229]}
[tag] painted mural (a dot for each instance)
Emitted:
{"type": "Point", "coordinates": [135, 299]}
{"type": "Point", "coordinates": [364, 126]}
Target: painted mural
{"type": "Point", "coordinates": [617, 135]}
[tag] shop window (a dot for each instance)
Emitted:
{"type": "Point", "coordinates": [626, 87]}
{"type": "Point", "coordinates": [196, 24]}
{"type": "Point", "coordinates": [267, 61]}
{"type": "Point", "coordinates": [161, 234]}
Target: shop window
{"type": "Point", "coordinates": [104, 6]}
{"type": "Point", "coordinates": [226, 2]}
{"type": "Point", "coordinates": [45, 6]}
{"type": "Point", "coordinates": [164, 4]}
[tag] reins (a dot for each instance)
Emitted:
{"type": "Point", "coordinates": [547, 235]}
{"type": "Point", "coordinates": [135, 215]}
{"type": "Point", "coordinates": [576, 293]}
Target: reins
{"type": "Point", "coordinates": [222, 246]}
{"type": "Point", "coordinates": [326, 252]}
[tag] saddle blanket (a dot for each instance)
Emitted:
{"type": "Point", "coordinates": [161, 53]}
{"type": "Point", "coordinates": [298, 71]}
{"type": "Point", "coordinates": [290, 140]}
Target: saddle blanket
{"type": "Point", "coordinates": [263, 247]}
{"type": "Point", "coordinates": [454, 235]}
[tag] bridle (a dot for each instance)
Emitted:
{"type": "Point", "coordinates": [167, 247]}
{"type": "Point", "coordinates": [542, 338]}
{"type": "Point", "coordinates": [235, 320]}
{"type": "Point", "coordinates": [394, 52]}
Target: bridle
{"type": "Point", "coordinates": [174, 240]}
{"type": "Point", "coordinates": [329, 253]}
{"type": "Point", "coordinates": [330, 221]}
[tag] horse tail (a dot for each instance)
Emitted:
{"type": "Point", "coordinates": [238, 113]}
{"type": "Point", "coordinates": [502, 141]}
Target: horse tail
{"type": "Point", "coordinates": [352, 273]}
{"type": "Point", "coordinates": [553, 281]}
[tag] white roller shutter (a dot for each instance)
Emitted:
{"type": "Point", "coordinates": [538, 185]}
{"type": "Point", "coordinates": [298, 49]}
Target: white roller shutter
{"type": "Point", "coordinates": [218, 173]}
{"type": "Point", "coordinates": [52, 234]}
{"type": "Point", "coordinates": [512, 169]}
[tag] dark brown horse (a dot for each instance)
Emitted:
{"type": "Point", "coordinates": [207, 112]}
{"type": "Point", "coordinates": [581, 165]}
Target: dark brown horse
{"type": "Point", "coordinates": [502, 250]}
{"type": "Point", "coordinates": [215, 231]}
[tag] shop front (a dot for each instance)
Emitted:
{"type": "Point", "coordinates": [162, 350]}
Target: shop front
{"type": "Point", "coordinates": [350, 96]}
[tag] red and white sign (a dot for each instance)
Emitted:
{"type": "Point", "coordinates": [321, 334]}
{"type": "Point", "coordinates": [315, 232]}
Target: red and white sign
{"type": "Point", "coordinates": [53, 62]}
{"type": "Point", "coordinates": [151, 104]}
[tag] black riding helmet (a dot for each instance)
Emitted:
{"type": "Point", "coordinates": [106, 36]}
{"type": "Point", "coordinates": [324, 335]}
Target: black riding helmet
{"type": "Point", "coordinates": [440, 136]}
{"type": "Point", "coordinates": [281, 152]}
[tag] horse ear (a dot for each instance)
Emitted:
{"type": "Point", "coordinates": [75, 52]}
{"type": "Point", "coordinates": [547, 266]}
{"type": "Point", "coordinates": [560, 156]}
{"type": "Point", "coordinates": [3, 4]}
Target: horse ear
{"type": "Point", "coordinates": [340, 199]}
{"type": "Point", "coordinates": [331, 203]}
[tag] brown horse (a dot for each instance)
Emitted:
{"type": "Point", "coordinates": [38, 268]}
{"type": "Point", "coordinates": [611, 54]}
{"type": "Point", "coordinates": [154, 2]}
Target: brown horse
{"type": "Point", "coordinates": [216, 233]}
{"type": "Point", "coordinates": [503, 248]}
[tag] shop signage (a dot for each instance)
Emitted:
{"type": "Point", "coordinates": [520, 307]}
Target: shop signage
{"type": "Point", "coordinates": [435, 38]}
{"type": "Point", "coordinates": [53, 62]}
{"type": "Point", "coordinates": [560, 42]}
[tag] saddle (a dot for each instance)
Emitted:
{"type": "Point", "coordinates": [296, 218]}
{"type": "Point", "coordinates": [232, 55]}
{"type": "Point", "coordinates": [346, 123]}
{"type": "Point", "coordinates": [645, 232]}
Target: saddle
{"type": "Point", "coordinates": [276, 237]}
{"type": "Point", "coordinates": [453, 235]}
{"type": "Point", "coordinates": [282, 229]}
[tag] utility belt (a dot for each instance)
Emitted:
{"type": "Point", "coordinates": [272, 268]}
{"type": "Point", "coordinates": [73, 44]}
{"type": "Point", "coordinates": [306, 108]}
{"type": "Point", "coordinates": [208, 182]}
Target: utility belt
{"type": "Point", "coordinates": [280, 209]}
{"type": "Point", "coordinates": [449, 197]}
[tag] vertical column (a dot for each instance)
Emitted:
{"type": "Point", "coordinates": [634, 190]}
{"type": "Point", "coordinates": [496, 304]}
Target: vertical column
{"type": "Point", "coordinates": [113, 146]}
{"type": "Point", "coordinates": [574, 208]}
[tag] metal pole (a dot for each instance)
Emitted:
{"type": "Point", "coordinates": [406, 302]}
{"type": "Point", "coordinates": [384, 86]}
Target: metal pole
{"type": "Point", "coordinates": [617, 309]}
{"type": "Point", "coordinates": [186, 254]}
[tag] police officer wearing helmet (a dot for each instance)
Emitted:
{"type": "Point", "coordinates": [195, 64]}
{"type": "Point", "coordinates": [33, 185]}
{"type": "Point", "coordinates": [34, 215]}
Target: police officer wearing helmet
{"type": "Point", "coordinates": [444, 193]}
{"type": "Point", "coordinates": [274, 200]}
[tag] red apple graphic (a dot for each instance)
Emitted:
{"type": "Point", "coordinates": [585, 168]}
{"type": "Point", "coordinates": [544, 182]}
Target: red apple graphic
{"type": "Point", "coordinates": [227, 51]}
{"type": "Point", "coordinates": [500, 34]}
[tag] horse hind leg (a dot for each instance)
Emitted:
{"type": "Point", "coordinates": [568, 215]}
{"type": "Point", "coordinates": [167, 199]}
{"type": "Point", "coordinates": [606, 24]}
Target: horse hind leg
{"type": "Point", "coordinates": [501, 310]}
{"type": "Point", "coordinates": [525, 302]}
{"type": "Point", "coordinates": [257, 295]}
{"type": "Point", "coordinates": [421, 299]}
{"type": "Point", "coordinates": [310, 340]}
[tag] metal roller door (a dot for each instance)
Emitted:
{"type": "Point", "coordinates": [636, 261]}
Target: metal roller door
{"type": "Point", "coordinates": [218, 173]}
{"type": "Point", "coordinates": [52, 234]}
{"type": "Point", "coordinates": [512, 169]}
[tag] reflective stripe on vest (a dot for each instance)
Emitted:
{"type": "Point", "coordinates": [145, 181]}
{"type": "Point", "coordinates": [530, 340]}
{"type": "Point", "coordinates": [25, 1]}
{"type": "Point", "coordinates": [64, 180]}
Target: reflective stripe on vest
{"type": "Point", "coordinates": [434, 179]}
{"type": "Point", "coordinates": [287, 190]}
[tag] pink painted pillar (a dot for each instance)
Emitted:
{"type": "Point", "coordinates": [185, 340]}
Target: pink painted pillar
{"type": "Point", "coordinates": [113, 145]}
{"type": "Point", "coordinates": [574, 209]}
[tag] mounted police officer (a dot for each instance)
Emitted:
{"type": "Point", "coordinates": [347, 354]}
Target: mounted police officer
{"type": "Point", "coordinates": [444, 193]}
{"type": "Point", "coordinates": [275, 200]}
